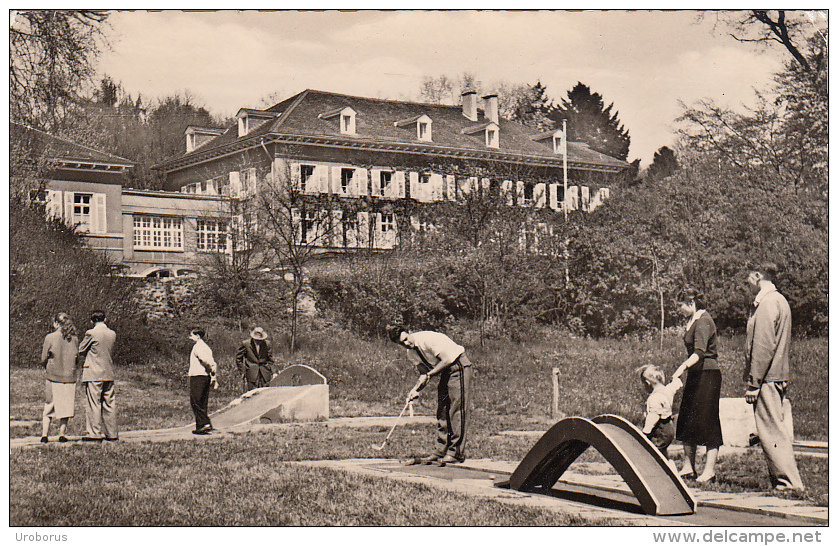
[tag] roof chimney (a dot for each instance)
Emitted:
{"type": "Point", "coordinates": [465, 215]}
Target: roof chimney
{"type": "Point", "coordinates": [490, 107]}
{"type": "Point", "coordinates": [470, 105]}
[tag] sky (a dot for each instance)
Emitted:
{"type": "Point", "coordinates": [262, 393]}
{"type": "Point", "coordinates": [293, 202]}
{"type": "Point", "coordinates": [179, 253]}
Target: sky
{"type": "Point", "coordinates": [644, 62]}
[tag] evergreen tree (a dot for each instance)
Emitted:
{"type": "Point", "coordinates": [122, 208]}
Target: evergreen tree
{"type": "Point", "coordinates": [591, 122]}
{"type": "Point", "coordinates": [664, 164]}
{"type": "Point", "coordinates": [529, 105]}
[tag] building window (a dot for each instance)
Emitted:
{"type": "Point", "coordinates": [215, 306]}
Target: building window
{"type": "Point", "coordinates": [81, 210]}
{"type": "Point", "coordinates": [424, 178]}
{"type": "Point", "coordinates": [424, 131]}
{"type": "Point", "coordinates": [384, 180]}
{"type": "Point", "coordinates": [158, 233]}
{"type": "Point", "coordinates": [528, 193]}
{"type": "Point", "coordinates": [346, 179]}
{"type": "Point", "coordinates": [306, 172]}
{"type": "Point", "coordinates": [309, 226]}
{"type": "Point", "coordinates": [491, 138]}
{"type": "Point", "coordinates": [388, 222]}
{"type": "Point", "coordinates": [212, 236]}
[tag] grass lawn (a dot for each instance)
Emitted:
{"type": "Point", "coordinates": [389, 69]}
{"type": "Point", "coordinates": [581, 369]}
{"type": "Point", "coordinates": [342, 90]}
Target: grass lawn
{"type": "Point", "coordinates": [246, 480]}
{"type": "Point", "coordinates": [248, 484]}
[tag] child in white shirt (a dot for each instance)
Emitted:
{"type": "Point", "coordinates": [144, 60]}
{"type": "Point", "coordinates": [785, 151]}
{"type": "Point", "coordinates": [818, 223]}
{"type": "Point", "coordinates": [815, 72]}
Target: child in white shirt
{"type": "Point", "coordinates": [658, 426]}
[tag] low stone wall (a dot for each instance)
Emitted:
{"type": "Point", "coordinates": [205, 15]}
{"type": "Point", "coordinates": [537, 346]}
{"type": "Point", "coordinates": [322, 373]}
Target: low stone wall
{"type": "Point", "coordinates": [164, 298]}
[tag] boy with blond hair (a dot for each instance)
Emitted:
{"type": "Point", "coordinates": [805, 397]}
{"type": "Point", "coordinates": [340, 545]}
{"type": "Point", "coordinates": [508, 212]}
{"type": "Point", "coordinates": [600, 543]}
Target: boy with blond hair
{"type": "Point", "coordinates": [658, 425]}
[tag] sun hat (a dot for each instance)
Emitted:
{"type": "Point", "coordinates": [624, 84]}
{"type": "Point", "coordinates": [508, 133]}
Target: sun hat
{"type": "Point", "coordinates": [258, 333]}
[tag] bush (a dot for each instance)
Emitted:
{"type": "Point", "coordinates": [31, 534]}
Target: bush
{"type": "Point", "coordinates": [52, 271]}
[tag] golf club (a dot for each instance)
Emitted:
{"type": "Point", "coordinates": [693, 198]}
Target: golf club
{"type": "Point", "coordinates": [379, 448]}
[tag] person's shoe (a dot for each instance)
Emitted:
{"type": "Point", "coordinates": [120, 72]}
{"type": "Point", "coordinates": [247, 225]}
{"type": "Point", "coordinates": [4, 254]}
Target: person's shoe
{"type": "Point", "coordinates": [753, 440]}
{"type": "Point", "coordinates": [201, 432]}
{"type": "Point", "coordinates": [63, 439]}
{"type": "Point", "coordinates": [44, 439]}
{"type": "Point", "coordinates": [430, 459]}
{"type": "Point", "coordinates": [706, 479]}
{"type": "Point", "coordinates": [91, 439]}
{"type": "Point", "coordinates": [206, 429]}
{"type": "Point", "coordinates": [450, 459]}
{"type": "Point", "coordinates": [782, 487]}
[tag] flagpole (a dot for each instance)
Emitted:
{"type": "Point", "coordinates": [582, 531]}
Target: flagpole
{"type": "Point", "coordinates": [564, 202]}
{"type": "Point", "coordinates": [564, 166]}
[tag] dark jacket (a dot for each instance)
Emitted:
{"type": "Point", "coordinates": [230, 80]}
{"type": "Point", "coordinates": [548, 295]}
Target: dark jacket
{"type": "Point", "coordinates": [254, 361]}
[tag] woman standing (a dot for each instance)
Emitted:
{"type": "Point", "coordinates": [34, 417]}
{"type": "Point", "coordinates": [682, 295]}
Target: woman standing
{"type": "Point", "coordinates": [698, 420]}
{"type": "Point", "coordinates": [61, 348]}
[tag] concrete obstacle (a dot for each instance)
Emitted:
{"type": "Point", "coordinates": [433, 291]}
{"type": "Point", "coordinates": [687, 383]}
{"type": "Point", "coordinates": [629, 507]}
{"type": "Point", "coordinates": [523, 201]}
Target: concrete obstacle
{"type": "Point", "coordinates": [298, 393]}
{"type": "Point", "coordinates": [737, 418]}
{"type": "Point", "coordinates": [653, 482]}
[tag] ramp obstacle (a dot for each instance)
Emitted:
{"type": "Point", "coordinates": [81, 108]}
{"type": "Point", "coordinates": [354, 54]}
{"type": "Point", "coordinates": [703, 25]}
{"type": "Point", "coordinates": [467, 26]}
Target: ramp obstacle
{"type": "Point", "coordinates": [297, 393]}
{"type": "Point", "coordinates": [656, 486]}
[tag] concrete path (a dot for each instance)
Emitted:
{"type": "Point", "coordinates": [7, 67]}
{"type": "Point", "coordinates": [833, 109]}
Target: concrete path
{"type": "Point", "coordinates": [477, 477]}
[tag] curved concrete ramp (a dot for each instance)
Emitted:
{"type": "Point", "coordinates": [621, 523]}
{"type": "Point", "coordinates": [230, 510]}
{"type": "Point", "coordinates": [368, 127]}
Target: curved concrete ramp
{"type": "Point", "coordinates": [275, 405]}
{"type": "Point", "coordinates": [655, 485]}
{"type": "Point", "coordinates": [297, 375]}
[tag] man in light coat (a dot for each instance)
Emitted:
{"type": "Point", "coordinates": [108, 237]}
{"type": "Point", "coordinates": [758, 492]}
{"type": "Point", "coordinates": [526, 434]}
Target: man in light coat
{"type": "Point", "coordinates": [767, 348]}
{"type": "Point", "coordinates": [98, 378]}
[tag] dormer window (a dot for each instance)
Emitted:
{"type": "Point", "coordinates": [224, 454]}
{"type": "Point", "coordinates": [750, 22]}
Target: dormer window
{"type": "Point", "coordinates": [346, 119]}
{"type": "Point", "coordinates": [492, 137]}
{"type": "Point", "coordinates": [249, 119]}
{"type": "Point", "coordinates": [491, 133]}
{"type": "Point", "coordinates": [423, 124]}
{"type": "Point", "coordinates": [424, 130]}
{"type": "Point", "coordinates": [556, 138]}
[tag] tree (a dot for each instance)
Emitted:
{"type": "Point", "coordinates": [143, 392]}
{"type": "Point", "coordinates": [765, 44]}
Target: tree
{"type": "Point", "coordinates": [591, 122]}
{"type": "Point", "coordinates": [293, 229]}
{"type": "Point", "coordinates": [788, 28]}
{"type": "Point", "coordinates": [664, 164]}
{"type": "Point", "coordinates": [437, 90]}
{"type": "Point", "coordinates": [51, 59]}
{"type": "Point", "coordinates": [526, 104]}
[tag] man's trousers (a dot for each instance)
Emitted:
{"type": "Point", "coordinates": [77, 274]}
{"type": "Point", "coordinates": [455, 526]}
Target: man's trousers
{"type": "Point", "coordinates": [453, 397]}
{"type": "Point", "coordinates": [101, 409]}
{"type": "Point", "coordinates": [199, 387]}
{"type": "Point", "coordinates": [777, 446]}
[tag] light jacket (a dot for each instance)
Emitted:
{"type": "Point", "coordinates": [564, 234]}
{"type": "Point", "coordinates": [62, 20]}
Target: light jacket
{"type": "Point", "coordinates": [60, 356]}
{"type": "Point", "coordinates": [97, 345]}
{"type": "Point", "coordinates": [768, 338]}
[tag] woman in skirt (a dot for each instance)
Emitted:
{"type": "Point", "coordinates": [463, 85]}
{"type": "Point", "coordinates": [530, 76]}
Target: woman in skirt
{"type": "Point", "coordinates": [698, 420]}
{"type": "Point", "coordinates": [61, 348]}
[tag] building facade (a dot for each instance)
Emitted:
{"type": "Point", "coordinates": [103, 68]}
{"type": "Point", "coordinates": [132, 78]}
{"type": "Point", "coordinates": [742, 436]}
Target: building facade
{"type": "Point", "coordinates": [150, 233]}
{"type": "Point", "coordinates": [354, 162]}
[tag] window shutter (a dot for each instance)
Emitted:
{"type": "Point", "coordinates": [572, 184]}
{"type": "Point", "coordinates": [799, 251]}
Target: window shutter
{"type": "Point", "coordinates": [519, 192]}
{"type": "Point", "coordinates": [553, 196]}
{"type": "Point", "coordinates": [397, 188]}
{"type": "Point", "coordinates": [390, 239]}
{"type": "Point", "coordinates": [605, 192]}
{"type": "Point", "coordinates": [235, 184]}
{"type": "Point", "coordinates": [54, 204]}
{"type": "Point", "coordinates": [334, 181]}
{"type": "Point", "coordinates": [351, 234]}
{"type": "Point", "coordinates": [414, 186]}
{"type": "Point", "coordinates": [68, 208]}
{"type": "Point", "coordinates": [375, 182]}
{"type": "Point", "coordinates": [437, 187]}
{"type": "Point", "coordinates": [363, 229]}
{"type": "Point", "coordinates": [539, 195]}
{"type": "Point", "coordinates": [506, 191]}
{"type": "Point", "coordinates": [451, 187]}
{"type": "Point", "coordinates": [573, 197]}
{"type": "Point", "coordinates": [99, 217]}
{"type": "Point", "coordinates": [362, 181]}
